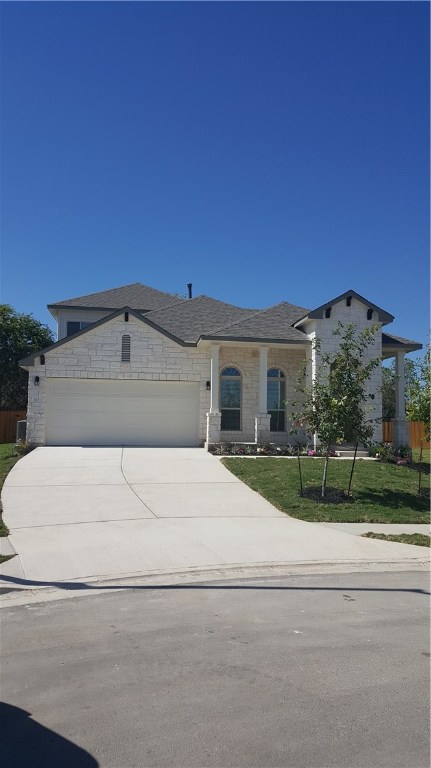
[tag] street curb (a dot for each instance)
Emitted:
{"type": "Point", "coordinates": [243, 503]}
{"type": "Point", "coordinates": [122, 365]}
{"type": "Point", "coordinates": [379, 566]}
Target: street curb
{"type": "Point", "coordinates": [34, 593]}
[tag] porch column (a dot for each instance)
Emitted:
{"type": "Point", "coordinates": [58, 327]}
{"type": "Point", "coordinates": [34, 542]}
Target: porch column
{"type": "Point", "coordinates": [400, 426]}
{"type": "Point", "coordinates": [215, 350]}
{"type": "Point", "coordinates": [263, 376]}
{"type": "Point", "coordinates": [214, 415]}
{"type": "Point", "coordinates": [262, 419]}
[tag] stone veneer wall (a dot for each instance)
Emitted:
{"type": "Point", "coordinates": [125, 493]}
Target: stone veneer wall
{"type": "Point", "coordinates": [323, 329]}
{"type": "Point", "coordinates": [97, 355]}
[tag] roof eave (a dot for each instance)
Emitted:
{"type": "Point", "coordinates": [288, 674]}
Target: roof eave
{"type": "Point", "coordinates": [254, 339]}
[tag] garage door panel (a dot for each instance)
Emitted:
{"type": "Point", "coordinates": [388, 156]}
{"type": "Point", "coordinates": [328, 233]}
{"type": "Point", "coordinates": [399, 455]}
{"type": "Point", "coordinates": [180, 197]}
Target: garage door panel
{"type": "Point", "coordinates": [121, 412]}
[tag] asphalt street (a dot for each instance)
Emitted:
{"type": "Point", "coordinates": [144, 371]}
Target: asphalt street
{"type": "Point", "coordinates": [300, 672]}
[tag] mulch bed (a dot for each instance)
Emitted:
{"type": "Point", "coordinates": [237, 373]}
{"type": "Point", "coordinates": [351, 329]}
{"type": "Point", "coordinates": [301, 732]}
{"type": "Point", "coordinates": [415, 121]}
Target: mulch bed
{"type": "Point", "coordinates": [332, 495]}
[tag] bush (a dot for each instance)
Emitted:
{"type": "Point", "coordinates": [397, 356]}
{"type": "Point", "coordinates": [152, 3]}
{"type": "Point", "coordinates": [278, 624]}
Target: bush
{"type": "Point", "coordinates": [22, 447]}
{"type": "Point", "coordinates": [387, 453]}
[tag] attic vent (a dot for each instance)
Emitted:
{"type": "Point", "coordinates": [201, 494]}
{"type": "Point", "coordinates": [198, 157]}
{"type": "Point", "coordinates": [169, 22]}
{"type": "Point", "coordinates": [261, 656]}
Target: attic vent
{"type": "Point", "coordinates": [328, 312]}
{"type": "Point", "coordinates": [125, 348]}
{"type": "Point", "coordinates": [369, 314]}
{"type": "Point", "coordinates": [349, 301]}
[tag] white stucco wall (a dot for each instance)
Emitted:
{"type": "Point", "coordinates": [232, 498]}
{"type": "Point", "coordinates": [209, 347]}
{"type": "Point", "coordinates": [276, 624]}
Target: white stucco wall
{"type": "Point", "coordinates": [77, 315]}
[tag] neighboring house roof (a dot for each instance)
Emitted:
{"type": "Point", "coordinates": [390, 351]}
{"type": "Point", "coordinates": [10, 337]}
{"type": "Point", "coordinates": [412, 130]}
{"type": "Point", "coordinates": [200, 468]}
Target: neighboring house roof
{"type": "Point", "coordinates": [136, 296]}
{"type": "Point", "coordinates": [191, 319]}
{"type": "Point", "coordinates": [272, 324]}
{"type": "Point", "coordinates": [383, 316]}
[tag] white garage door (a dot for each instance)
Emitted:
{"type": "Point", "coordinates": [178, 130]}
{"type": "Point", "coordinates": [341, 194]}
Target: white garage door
{"type": "Point", "coordinates": [96, 412]}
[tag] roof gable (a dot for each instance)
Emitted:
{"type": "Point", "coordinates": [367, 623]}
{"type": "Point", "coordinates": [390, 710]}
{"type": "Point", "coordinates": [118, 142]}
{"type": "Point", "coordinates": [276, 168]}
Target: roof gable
{"type": "Point", "coordinates": [27, 361]}
{"type": "Point", "coordinates": [383, 316]}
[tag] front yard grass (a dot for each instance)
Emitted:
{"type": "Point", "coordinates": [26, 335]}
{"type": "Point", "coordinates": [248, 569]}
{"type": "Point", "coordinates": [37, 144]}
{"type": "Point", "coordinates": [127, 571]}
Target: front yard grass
{"type": "Point", "coordinates": [382, 493]}
{"type": "Point", "coordinates": [8, 457]}
{"type": "Point", "coordinates": [419, 539]}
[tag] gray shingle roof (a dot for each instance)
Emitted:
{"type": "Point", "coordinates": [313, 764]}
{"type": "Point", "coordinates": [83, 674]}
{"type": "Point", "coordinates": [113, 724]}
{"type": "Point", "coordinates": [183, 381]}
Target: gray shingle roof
{"type": "Point", "coordinates": [189, 320]}
{"type": "Point", "coordinates": [136, 296]}
{"type": "Point", "coordinates": [272, 323]}
{"type": "Point", "coordinates": [388, 340]}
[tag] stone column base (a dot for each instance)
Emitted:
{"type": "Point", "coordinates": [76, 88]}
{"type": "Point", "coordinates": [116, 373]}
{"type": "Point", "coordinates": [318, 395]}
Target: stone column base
{"type": "Point", "coordinates": [213, 429]}
{"type": "Point", "coordinates": [261, 427]}
{"type": "Point", "coordinates": [400, 432]}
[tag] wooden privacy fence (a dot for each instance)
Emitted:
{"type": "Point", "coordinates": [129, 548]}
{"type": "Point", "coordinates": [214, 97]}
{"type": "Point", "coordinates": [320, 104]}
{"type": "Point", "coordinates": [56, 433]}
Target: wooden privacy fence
{"type": "Point", "coordinates": [416, 431]}
{"type": "Point", "coordinates": [8, 420]}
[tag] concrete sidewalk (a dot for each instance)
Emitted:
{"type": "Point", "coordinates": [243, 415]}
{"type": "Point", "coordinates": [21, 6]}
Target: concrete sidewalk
{"type": "Point", "coordinates": [92, 513]}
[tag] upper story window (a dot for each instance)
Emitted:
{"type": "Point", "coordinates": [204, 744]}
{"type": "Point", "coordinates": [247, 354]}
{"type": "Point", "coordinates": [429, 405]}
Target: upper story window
{"type": "Point", "coordinates": [73, 326]}
{"type": "Point", "coordinates": [230, 399]}
{"type": "Point", "coordinates": [276, 396]}
{"type": "Point", "coordinates": [125, 348]}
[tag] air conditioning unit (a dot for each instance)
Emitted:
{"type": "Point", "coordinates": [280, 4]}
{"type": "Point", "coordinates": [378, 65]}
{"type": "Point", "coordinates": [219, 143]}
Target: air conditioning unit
{"type": "Point", "coordinates": [21, 431]}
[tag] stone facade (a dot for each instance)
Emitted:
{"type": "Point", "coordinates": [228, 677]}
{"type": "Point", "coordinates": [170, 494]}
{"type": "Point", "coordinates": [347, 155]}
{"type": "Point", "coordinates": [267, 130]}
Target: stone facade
{"type": "Point", "coordinates": [247, 361]}
{"type": "Point", "coordinates": [96, 354]}
{"type": "Point", "coordinates": [323, 329]}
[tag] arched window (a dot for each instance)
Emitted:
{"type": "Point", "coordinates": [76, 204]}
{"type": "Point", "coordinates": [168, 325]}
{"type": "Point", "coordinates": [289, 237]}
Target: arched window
{"type": "Point", "coordinates": [276, 396]}
{"type": "Point", "coordinates": [230, 399]}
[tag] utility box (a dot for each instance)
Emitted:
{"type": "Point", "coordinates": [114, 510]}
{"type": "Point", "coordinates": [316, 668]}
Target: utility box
{"type": "Point", "coordinates": [21, 431]}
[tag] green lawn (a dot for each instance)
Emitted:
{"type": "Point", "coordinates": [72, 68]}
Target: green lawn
{"type": "Point", "coordinates": [382, 493]}
{"type": "Point", "coordinates": [8, 458]}
{"type": "Point", "coordinates": [419, 539]}
{"type": "Point", "coordinates": [425, 455]}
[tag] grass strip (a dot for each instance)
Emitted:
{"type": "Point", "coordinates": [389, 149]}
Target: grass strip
{"type": "Point", "coordinates": [419, 539]}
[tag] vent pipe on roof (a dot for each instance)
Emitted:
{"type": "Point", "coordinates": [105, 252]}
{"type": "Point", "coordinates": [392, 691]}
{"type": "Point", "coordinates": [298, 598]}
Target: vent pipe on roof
{"type": "Point", "coordinates": [189, 289]}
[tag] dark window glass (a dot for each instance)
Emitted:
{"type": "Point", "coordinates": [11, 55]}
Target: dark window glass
{"type": "Point", "coordinates": [230, 420]}
{"type": "Point", "coordinates": [75, 325]}
{"type": "Point", "coordinates": [230, 399]}
{"type": "Point", "coordinates": [72, 327]}
{"type": "Point", "coordinates": [276, 395]}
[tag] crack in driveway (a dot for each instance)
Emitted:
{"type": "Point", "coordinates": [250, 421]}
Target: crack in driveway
{"type": "Point", "coordinates": [132, 489]}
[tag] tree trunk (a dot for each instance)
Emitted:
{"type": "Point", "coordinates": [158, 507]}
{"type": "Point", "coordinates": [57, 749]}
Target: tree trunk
{"type": "Point", "coordinates": [420, 467]}
{"type": "Point", "coordinates": [352, 470]}
{"type": "Point", "coordinates": [325, 473]}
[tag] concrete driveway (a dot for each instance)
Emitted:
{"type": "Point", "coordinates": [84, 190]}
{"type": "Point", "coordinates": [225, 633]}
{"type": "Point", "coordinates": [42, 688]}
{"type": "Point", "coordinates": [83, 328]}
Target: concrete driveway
{"type": "Point", "coordinates": [91, 513]}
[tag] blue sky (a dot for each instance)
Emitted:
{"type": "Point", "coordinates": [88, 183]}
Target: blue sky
{"type": "Point", "coordinates": [263, 151]}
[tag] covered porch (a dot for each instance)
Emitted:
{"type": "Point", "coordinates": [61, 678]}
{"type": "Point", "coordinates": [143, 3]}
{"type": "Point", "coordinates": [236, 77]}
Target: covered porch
{"type": "Point", "coordinates": [251, 385]}
{"type": "Point", "coordinates": [397, 347]}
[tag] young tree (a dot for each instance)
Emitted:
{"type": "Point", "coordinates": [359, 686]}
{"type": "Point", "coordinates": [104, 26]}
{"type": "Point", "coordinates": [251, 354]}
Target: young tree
{"type": "Point", "coordinates": [418, 390]}
{"type": "Point", "coordinates": [334, 405]}
{"type": "Point", "coordinates": [20, 335]}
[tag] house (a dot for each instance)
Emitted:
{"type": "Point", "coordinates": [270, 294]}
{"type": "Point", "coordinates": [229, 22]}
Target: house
{"type": "Point", "coordinates": [136, 366]}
